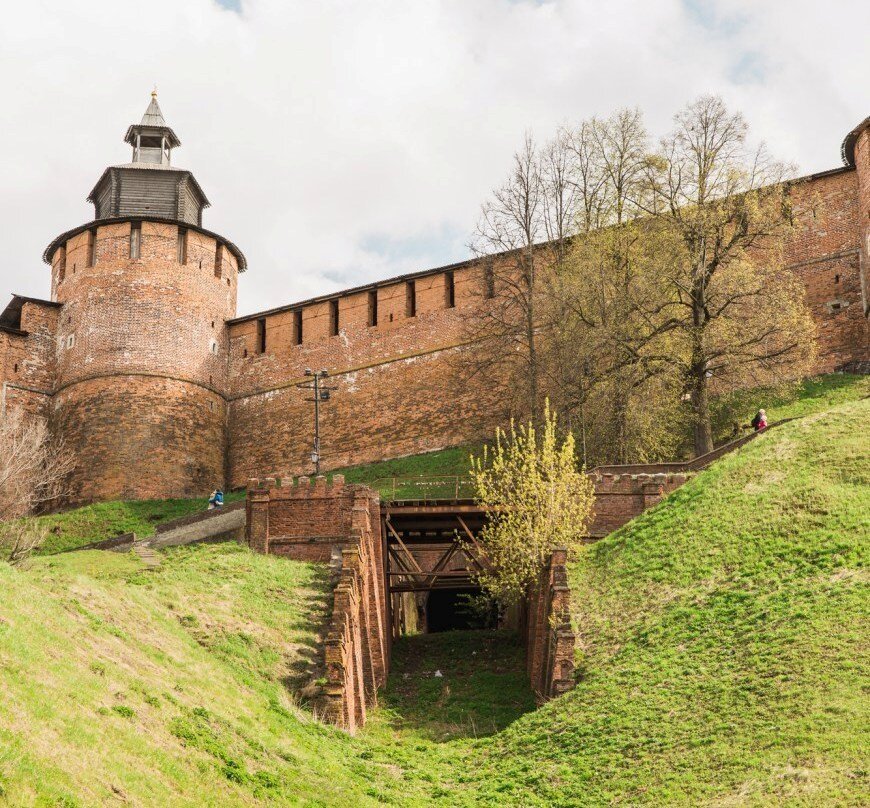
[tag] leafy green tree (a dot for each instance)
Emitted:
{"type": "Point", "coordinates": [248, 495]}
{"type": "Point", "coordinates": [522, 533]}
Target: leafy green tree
{"type": "Point", "coordinates": [537, 500]}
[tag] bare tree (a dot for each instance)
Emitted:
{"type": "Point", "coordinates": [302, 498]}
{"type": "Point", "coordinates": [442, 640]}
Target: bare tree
{"type": "Point", "coordinates": [33, 473]}
{"type": "Point", "coordinates": [507, 329]}
{"type": "Point", "coordinates": [602, 345]}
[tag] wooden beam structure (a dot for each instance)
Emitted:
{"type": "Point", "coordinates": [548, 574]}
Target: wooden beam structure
{"type": "Point", "coordinates": [432, 545]}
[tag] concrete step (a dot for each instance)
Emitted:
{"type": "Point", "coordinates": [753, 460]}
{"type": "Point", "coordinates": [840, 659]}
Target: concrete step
{"type": "Point", "coordinates": [148, 557]}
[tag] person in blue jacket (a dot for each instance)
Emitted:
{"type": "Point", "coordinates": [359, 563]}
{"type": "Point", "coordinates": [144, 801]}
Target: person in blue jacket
{"type": "Point", "coordinates": [216, 500]}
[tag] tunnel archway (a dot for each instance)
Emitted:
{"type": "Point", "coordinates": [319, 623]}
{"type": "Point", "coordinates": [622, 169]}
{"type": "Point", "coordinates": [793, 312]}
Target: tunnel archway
{"type": "Point", "coordinates": [450, 610]}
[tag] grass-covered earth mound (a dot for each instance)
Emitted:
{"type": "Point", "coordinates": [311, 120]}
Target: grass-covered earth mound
{"type": "Point", "coordinates": [722, 661]}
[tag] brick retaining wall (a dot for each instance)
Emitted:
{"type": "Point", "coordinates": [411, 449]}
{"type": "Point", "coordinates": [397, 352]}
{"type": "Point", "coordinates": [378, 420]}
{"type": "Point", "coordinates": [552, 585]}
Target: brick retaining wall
{"type": "Point", "coordinates": [547, 631]}
{"type": "Point", "coordinates": [337, 524]}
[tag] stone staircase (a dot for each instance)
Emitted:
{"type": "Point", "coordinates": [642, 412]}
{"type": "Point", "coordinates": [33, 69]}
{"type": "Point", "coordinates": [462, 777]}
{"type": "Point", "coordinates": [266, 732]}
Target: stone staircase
{"type": "Point", "coordinates": [148, 557]}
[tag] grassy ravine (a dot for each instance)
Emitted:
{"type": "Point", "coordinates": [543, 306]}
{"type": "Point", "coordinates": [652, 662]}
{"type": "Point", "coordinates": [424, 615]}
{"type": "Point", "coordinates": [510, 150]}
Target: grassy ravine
{"type": "Point", "coordinates": [723, 661]}
{"type": "Point", "coordinates": [164, 687]}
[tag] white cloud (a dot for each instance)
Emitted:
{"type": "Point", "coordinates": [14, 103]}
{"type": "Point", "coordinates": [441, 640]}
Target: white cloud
{"type": "Point", "coordinates": [341, 142]}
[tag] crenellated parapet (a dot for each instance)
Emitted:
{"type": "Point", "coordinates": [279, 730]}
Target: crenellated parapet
{"type": "Point", "coordinates": [621, 497]}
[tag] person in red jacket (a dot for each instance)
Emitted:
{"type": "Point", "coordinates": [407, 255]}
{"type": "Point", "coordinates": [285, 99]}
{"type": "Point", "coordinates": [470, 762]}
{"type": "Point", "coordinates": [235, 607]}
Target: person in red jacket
{"type": "Point", "coordinates": [760, 421]}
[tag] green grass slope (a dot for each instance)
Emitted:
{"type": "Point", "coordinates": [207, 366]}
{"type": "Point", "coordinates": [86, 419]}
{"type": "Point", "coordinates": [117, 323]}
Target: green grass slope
{"type": "Point", "coordinates": [724, 642]}
{"type": "Point", "coordinates": [722, 660]}
{"type": "Point", "coordinates": [105, 520]}
{"type": "Point", "coordinates": [165, 687]}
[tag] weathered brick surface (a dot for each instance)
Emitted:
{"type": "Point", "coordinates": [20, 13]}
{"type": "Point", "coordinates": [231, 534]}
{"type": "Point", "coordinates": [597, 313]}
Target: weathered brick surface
{"type": "Point", "coordinates": [327, 522]}
{"type": "Point", "coordinates": [27, 361]}
{"type": "Point", "coordinates": [140, 437]}
{"type": "Point", "coordinates": [824, 252]}
{"type": "Point", "coordinates": [621, 497]}
{"type": "Point", "coordinates": [398, 391]}
{"type": "Point", "coordinates": [547, 631]}
{"type": "Point", "coordinates": [141, 362]}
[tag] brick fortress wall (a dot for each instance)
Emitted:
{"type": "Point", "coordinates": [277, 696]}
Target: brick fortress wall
{"type": "Point", "coordinates": [397, 387]}
{"type": "Point", "coordinates": [141, 373]}
{"type": "Point", "coordinates": [398, 391]}
{"type": "Point", "coordinates": [331, 522]}
{"type": "Point", "coordinates": [27, 361]}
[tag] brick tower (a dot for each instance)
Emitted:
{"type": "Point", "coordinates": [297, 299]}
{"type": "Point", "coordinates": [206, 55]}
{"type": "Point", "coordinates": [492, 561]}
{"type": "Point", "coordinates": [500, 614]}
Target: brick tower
{"type": "Point", "coordinates": [856, 153]}
{"type": "Point", "coordinates": [140, 395]}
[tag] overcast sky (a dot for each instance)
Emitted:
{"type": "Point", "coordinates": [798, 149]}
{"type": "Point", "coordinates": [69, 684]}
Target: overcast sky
{"type": "Point", "coordinates": [340, 142]}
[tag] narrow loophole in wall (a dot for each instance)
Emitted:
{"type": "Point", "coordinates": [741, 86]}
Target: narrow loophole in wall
{"type": "Point", "coordinates": [488, 280]}
{"type": "Point", "coordinates": [373, 307]}
{"type": "Point", "coordinates": [261, 335]}
{"type": "Point", "coordinates": [182, 245]}
{"type": "Point", "coordinates": [61, 264]}
{"type": "Point", "coordinates": [333, 318]}
{"type": "Point", "coordinates": [135, 239]}
{"type": "Point", "coordinates": [449, 290]}
{"type": "Point", "coordinates": [92, 248]}
{"type": "Point", "coordinates": [411, 299]}
{"type": "Point", "coordinates": [219, 261]}
{"type": "Point", "coordinates": [297, 327]}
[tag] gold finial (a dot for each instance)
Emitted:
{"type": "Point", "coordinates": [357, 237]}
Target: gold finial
{"type": "Point", "coordinates": [154, 92]}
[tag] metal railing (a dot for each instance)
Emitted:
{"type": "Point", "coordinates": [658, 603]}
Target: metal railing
{"type": "Point", "coordinates": [424, 488]}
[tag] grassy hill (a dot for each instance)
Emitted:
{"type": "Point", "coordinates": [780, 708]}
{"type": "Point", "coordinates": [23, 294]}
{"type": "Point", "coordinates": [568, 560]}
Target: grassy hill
{"type": "Point", "coordinates": [723, 662]}
{"type": "Point", "coordinates": [724, 641]}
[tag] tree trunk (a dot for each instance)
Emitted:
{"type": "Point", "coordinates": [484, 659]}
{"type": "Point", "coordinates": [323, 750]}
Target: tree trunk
{"type": "Point", "coordinates": [530, 337]}
{"type": "Point", "coordinates": [701, 406]}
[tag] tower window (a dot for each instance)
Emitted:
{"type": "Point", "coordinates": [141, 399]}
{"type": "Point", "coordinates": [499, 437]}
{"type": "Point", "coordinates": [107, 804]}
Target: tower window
{"type": "Point", "coordinates": [488, 281]}
{"type": "Point", "coordinates": [411, 299]}
{"type": "Point", "coordinates": [373, 307]}
{"type": "Point", "coordinates": [219, 261]}
{"type": "Point", "coordinates": [449, 290]}
{"type": "Point", "coordinates": [297, 327]}
{"type": "Point", "coordinates": [261, 335]}
{"type": "Point", "coordinates": [92, 248]}
{"type": "Point", "coordinates": [135, 240]}
{"type": "Point", "coordinates": [182, 245]}
{"type": "Point", "coordinates": [333, 318]}
{"type": "Point", "coordinates": [61, 264]}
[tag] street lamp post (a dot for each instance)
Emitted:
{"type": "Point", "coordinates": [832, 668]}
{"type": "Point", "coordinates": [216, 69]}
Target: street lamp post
{"type": "Point", "coordinates": [321, 393]}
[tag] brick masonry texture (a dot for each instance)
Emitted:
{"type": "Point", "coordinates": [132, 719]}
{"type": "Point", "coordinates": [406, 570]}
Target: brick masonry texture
{"type": "Point", "coordinates": [27, 361]}
{"type": "Point", "coordinates": [397, 386]}
{"type": "Point", "coordinates": [547, 631]}
{"type": "Point", "coordinates": [159, 392]}
{"type": "Point", "coordinates": [331, 522]}
{"type": "Point", "coordinates": [141, 372]}
{"type": "Point", "coordinates": [621, 497]}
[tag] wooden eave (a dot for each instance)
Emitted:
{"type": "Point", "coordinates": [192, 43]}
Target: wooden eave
{"type": "Point", "coordinates": [115, 170]}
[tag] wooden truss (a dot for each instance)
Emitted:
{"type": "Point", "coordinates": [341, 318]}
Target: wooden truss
{"type": "Point", "coordinates": [427, 551]}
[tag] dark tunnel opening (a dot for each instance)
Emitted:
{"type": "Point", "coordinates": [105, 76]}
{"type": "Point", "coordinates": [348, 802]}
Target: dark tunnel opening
{"type": "Point", "coordinates": [453, 610]}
